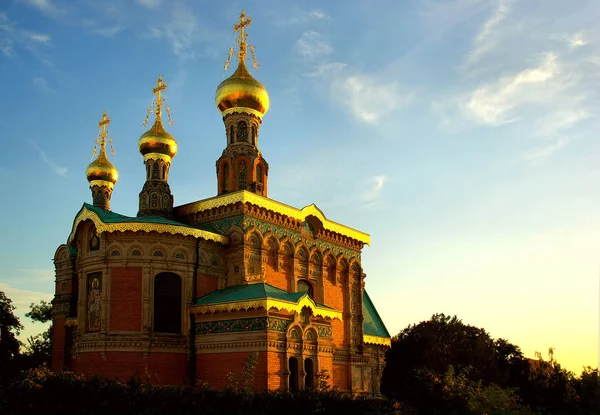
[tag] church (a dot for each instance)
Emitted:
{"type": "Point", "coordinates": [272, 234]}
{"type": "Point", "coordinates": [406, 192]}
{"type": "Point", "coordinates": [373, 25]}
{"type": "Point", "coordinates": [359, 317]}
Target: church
{"type": "Point", "coordinates": [184, 294]}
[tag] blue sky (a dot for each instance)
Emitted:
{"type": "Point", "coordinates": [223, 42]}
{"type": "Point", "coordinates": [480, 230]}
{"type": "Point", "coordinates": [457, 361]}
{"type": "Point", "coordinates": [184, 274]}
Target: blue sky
{"type": "Point", "coordinates": [461, 134]}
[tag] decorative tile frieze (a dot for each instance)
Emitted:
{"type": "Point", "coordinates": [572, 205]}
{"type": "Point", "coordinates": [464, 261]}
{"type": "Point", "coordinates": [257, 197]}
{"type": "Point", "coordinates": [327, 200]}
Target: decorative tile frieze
{"type": "Point", "coordinates": [239, 325]}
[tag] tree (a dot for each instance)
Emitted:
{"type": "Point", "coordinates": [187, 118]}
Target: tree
{"type": "Point", "coordinates": [39, 347]}
{"type": "Point", "coordinates": [429, 348]}
{"type": "Point", "coordinates": [10, 327]}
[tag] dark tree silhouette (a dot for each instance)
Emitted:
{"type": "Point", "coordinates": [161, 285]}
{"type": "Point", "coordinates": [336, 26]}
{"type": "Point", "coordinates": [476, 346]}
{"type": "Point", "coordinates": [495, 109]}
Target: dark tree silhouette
{"type": "Point", "coordinates": [10, 327]}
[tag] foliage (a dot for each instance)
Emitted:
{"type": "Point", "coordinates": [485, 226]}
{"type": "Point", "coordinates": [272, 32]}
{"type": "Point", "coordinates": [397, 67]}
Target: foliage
{"type": "Point", "coordinates": [246, 384]}
{"type": "Point", "coordinates": [10, 327]}
{"type": "Point", "coordinates": [444, 364]}
{"type": "Point", "coordinates": [40, 391]}
{"type": "Point", "coordinates": [323, 380]}
{"type": "Point", "coordinates": [39, 347]}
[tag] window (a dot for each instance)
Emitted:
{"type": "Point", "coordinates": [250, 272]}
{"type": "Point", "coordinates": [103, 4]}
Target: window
{"type": "Point", "coordinates": [167, 303]}
{"type": "Point", "coordinates": [305, 286]}
{"type": "Point", "coordinates": [242, 176]}
{"type": "Point", "coordinates": [293, 381]}
{"type": "Point", "coordinates": [242, 132]}
{"type": "Point", "coordinates": [259, 177]}
{"type": "Point", "coordinates": [225, 177]}
{"type": "Point", "coordinates": [309, 369]}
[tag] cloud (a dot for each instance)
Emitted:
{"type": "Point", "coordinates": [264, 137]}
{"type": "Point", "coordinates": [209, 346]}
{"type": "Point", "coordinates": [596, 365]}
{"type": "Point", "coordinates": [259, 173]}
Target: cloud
{"type": "Point", "coordinates": [108, 31]}
{"type": "Point", "coordinates": [182, 30]}
{"type": "Point", "coordinates": [40, 38]}
{"type": "Point", "coordinates": [576, 40]}
{"type": "Point", "coordinates": [151, 4]}
{"type": "Point", "coordinates": [313, 46]}
{"type": "Point", "coordinates": [42, 84]}
{"type": "Point", "coordinates": [486, 39]}
{"type": "Point", "coordinates": [326, 69]}
{"type": "Point", "coordinates": [536, 157]}
{"type": "Point", "coordinates": [372, 196]}
{"type": "Point", "coordinates": [45, 6]}
{"type": "Point", "coordinates": [494, 103]}
{"type": "Point", "coordinates": [300, 17]}
{"type": "Point", "coordinates": [369, 98]}
{"type": "Point", "coordinates": [60, 170]}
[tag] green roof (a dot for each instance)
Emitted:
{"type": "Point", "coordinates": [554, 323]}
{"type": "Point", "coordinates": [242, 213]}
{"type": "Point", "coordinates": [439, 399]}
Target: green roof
{"type": "Point", "coordinates": [251, 292]}
{"type": "Point", "coordinates": [108, 216]}
{"type": "Point", "coordinates": [372, 323]}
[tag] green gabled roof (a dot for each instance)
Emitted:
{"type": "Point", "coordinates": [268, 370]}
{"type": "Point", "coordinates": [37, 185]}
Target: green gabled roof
{"type": "Point", "coordinates": [108, 216]}
{"type": "Point", "coordinates": [251, 292]}
{"type": "Point", "coordinates": [107, 221]}
{"type": "Point", "coordinates": [372, 323]}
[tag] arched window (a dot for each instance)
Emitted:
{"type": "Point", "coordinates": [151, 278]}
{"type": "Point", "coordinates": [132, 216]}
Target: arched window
{"type": "Point", "coordinates": [226, 177]}
{"type": "Point", "coordinates": [293, 367]}
{"type": "Point", "coordinates": [155, 171]}
{"type": "Point", "coordinates": [231, 134]}
{"type": "Point", "coordinates": [147, 171]}
{"type": "Point", "coordinates": [305, 286]}
{"type": "Point", "coordinates": [242, 176]}
{"type": "Point", "coordinates": [259, 177]}
{"type": "Point", "coordinates": [242, 132]}
{"type": "Point", "coordinates": [309, 369]}
{"type": "Point", "coordinates": [167, 303]}
{"type": "Point", "coordinates": [253, 135]}
{"type": "Point", "coordinates": [154, 200]}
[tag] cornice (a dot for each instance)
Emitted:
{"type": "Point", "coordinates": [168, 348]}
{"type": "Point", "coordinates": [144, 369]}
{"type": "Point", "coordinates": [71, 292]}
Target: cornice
{"type": "Point", "coordinates": [245, 196]}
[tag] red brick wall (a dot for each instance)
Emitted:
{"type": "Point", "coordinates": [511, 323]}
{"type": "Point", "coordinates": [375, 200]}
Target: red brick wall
{"type": "Point", "coordinates": [214, 367]}
{"type": "Point", "coordinates": [276, 364]}
{"type": "Point", "coordinates": [206, 285]}
{"type": "Point", "coordinates": [58, 343]}
{"type": "Point", "coordinates": [126, 299]}
{"type": "Point", "coordinates": [160, 368]}
{"type": "Point", "coordinates": [276, 278]}
{"type": "Point", "coordinates": [340, 377]}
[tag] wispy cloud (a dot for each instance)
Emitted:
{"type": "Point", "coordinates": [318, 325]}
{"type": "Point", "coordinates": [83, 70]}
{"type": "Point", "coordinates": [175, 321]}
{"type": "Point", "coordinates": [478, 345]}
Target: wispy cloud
{"type": "Point", "coordinates": [538, 156]}
{"type": "Point", "coordinates": [369, 98]}
{"type": "Point", "coordinates": [313, 45]}
{"type": "Point", "coordinates": [371, 198]}
{"type": "Point", "coordinates": [494, 103]}
{"type": "Point", "coordinates": [42, 84]}
{"type": "Point", "coordinates": [487, 37]}
{"type": "Point", "coordinates": [46, 6]}
{"type": "Point", "coordinates": [60, 170]}
{"type": "Point", "coordinates": [182, 30]}
{"type": "Point", "coordinates": [108, 31]}
{"type": "Point", "coordinates": [576, 40]}
{"type": "Point", "coordinates": [40, 38]}
{"type": "Point", "coordinates": [151, 4]}
{"type": "Point", "coordinates": [299, 16]}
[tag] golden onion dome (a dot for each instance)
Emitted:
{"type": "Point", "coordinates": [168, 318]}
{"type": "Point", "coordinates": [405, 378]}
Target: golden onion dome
{"type": "Point", "coordinates": [101, 169]}
{"type": "Point", "coordinates": [157, 140]}
{"type": "Point", "coordinates": [241, 90]}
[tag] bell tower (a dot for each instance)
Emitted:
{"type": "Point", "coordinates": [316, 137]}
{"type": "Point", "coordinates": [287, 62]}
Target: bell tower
{"type": "Point", "coordinates": [158, 148]}
{"type": "Point", "coordinates": [243, 101]}
{"type": "Point", "coordinates": [101, 173]}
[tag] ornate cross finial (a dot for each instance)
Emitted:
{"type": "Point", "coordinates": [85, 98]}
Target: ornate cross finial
{"type": "Point", "coordinates": [158, 102]}
{"type": "Point", "coordinates": [242, 41]}
{"type": "Point", "coordinates": [102, 136]}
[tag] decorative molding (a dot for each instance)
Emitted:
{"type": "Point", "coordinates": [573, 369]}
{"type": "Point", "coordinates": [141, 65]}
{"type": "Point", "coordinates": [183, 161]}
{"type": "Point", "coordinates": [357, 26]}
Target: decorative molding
{"type": "Point", "coordinates": [102, 227]}
{"type": "Point", "coordinates": [384, 341]}
{"type": "Point", "coordinates": [239, 325]}
{"type": "Point", "coordinates": [245, 196]}
{"type": "Point", "coordinates": [267, 304]}
{"type": "Point", "coordinates": [324, 331]}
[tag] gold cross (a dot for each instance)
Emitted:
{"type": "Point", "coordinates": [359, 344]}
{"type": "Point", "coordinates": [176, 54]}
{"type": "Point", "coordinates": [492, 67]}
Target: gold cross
{"type": "Point", "coordinates": [240, 27]}
{"type": "Point", "coordinates": [103, 124]}
{"type": "Point", "coordinates": [157, 90]}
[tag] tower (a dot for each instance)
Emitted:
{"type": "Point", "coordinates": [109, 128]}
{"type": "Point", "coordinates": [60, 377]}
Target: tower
{"type": "Point", "coordinates": [243, 101]}
{"type": "Point", "coordinates": [158, 148]}
{"type": "Point", "coordinates": [101, 173]}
